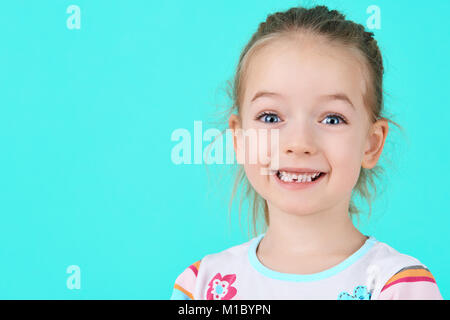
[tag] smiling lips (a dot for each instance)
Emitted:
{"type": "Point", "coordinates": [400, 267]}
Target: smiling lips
{"type": "Point", "coordinates": [290, 177]}
{"type": "Point", "coordinates": [298, 174]}
{"type": "Point", "coordinates": [299, 170]}
{"type": "Point", "coordinates": [297, 177]}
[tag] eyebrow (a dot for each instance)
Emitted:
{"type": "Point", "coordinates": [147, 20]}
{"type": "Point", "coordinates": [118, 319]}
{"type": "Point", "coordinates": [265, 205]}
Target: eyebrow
{"type": "Point", "coordinates": [334, 96]}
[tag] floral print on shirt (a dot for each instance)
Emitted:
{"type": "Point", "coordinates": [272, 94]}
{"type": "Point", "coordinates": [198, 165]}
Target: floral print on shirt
{"type": "Point", "coordinates": [220, 288]}
{"type": "Point", "coordinates": [360, 293]}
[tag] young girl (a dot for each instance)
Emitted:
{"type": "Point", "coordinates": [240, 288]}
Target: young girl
{"type": "Point", "coordinates": [316, 78]}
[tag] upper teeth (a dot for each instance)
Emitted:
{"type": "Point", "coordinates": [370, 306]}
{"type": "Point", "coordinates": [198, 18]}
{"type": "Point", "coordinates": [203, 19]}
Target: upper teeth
{"type": "Point", "coordinates": [306, 177]}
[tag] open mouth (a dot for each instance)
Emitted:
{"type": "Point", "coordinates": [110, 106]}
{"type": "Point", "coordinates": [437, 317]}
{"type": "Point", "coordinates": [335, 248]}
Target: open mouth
{"type": "Point", "coordinates": [288, 177]}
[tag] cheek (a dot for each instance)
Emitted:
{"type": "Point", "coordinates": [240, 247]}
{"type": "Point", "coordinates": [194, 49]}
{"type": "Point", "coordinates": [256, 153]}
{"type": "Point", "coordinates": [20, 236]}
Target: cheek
{"type": "Point", "coordinates": [345, 157]}
{"type": "Point", "coordinates": [256, 146]}
{"type": "Point", "coordinates": [258, 181]}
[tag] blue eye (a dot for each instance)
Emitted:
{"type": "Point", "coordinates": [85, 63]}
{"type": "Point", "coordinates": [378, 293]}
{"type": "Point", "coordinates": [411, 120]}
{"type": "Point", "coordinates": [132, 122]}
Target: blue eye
{"type": "Point", "coordinates": [269, 117]}
{"type": "Point", "coordinates": [335, 116]}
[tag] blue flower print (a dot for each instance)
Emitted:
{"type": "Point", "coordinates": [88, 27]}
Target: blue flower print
{"type": "Point", "coordinates": [360, 293]}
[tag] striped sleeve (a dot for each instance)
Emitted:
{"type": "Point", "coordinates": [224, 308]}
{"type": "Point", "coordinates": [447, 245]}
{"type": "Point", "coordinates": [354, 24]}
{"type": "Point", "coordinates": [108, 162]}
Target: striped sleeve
{"type": "Point", "coordinates": [185, 283]}
{"type": "Point", "coordinates": [411, 283]}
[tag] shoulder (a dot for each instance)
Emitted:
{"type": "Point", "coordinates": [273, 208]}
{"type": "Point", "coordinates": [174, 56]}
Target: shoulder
{"type": "Point", "coordinates": [186, 282]}
{"type": "Point", "coordinates": [184, 286]}
{"type": "Point", "coordinates": [387, 258]}
{"type": "Point", "coordinates": [400, 276]}
{"type": "Point", "coordinates": [411, 283]}
{"type": "Point", "coordinates": [231, 255]}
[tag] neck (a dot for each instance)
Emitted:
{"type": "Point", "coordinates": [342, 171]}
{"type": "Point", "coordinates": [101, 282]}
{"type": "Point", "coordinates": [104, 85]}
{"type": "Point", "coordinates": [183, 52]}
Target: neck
{"type": "Point", "coordinates": [329, 231]}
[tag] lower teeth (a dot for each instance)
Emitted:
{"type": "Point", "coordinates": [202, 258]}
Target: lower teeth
{"type": "Point", "coordinates": [312, 179]}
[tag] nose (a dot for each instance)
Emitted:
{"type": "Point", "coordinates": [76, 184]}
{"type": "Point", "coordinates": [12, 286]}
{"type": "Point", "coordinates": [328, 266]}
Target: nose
{"type": "Point", "coordinates": [299, 140]}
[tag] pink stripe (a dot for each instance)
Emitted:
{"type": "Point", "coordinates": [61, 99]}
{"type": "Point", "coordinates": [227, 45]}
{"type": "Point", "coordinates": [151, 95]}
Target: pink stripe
{"type": "Point", "coordinates": [409, 279]}
{"type": "Point", "coordinates": [194, 269]}
{"type": "Point", "coordinates": [421, 290]}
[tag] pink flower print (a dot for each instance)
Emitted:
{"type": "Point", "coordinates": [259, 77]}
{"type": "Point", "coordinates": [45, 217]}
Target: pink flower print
{"type": "Point", "coordinates": [219, 288]}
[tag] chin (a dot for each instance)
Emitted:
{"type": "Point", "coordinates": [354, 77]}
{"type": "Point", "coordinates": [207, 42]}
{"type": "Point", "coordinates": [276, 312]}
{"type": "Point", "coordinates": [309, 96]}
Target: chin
{"type": "Point", "coordinates": [298, 209]}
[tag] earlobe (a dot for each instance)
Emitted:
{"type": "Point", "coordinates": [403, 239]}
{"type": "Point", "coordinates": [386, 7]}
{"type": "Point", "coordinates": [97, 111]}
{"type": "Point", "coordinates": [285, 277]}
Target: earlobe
{"type": "Point", "coordinates": [375, 143]}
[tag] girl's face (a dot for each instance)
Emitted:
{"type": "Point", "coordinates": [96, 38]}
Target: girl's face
{"type": "Point", "coordinates": [312, 93]}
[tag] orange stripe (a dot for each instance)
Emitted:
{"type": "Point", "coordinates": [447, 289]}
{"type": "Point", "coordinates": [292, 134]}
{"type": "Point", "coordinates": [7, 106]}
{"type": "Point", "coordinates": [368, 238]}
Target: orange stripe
{"type": "Point", "coordinates": [408, 279]}
{"type": "Point", "coordinates": [197, 264]}
{"type": "Point", "coordinates": [410, 273]}
{"type": "Point", "coordinates": [177, 286]}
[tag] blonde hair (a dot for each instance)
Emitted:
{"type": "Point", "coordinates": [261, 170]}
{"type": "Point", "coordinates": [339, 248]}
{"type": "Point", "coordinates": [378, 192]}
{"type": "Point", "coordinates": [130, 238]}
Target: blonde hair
{"type": "Point", "coordinates": [332, 25]}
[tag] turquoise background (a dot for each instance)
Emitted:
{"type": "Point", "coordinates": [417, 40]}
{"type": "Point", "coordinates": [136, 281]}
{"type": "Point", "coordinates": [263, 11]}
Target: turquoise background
{"type": "Point", "coordinates": [86, 118]}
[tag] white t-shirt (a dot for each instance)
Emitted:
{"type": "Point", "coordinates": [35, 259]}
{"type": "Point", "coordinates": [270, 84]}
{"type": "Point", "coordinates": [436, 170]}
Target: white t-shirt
{"type": "Point", "coordinates": [375, 271]}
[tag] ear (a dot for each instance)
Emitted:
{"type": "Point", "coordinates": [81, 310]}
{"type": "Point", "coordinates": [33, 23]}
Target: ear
{"type": "Point", "coordinates": [375, 143]}
{"type": "Point", "coordinates": [235, 125]}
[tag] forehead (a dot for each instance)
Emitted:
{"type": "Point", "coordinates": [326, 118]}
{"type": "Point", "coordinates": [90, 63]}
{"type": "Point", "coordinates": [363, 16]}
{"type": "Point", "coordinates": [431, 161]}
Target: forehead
{"type": "Point", "coordinates": [305, 68]}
